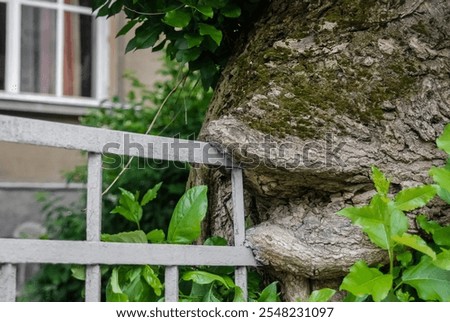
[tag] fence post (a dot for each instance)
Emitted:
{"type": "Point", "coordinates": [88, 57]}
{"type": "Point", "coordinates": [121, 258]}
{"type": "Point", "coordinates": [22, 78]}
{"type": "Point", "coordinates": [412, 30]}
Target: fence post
{"type": "Point", "coordinates": [93, 223]}
{"type": "Point", "coordinates": [239, 224]}
{"type": "Point", "coordinates": [8, 283]}
{"type": "Point", "coordinates": [171, 284]}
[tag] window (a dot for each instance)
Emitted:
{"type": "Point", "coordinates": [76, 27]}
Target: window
{"type": "Point", "coordinates": [52, 50]}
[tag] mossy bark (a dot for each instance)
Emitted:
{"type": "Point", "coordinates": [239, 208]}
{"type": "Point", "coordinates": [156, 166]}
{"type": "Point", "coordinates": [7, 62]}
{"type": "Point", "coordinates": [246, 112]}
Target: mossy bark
{"type": "Point", "coordinates": [321, 91]}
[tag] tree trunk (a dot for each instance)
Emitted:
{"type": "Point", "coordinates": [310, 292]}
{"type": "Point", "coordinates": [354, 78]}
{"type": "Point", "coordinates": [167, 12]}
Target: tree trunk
{"type": "Point", "coordinates": [321, 91]}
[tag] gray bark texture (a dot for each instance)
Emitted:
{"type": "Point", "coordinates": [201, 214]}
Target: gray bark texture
{"type": "Point", "coordinates": [320, 92]}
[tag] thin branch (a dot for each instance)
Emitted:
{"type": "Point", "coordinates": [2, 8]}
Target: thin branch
{"type": "Point", "coordinates": [150, 13]}
{"type": "Point", "coordinates": [126, 167]}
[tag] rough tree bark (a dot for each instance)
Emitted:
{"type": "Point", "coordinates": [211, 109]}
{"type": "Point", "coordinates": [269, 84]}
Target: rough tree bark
{"type": "Point", "coordinates": [321, 91]}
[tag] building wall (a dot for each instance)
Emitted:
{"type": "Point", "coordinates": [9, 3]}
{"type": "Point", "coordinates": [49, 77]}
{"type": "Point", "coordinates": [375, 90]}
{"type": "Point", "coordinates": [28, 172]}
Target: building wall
{"type": "Point", "coordinates": [26, 170]}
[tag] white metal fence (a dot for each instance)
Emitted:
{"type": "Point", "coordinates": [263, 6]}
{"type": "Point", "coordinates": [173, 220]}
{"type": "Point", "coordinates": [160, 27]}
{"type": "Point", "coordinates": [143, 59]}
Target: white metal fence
{"type": "Point", "coordinates": [93, 252]}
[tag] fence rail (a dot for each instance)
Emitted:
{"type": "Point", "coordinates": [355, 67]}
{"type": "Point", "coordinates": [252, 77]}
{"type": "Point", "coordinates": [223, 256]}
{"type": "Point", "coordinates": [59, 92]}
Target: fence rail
{"type": "Point", "coordinates": [93, 252]}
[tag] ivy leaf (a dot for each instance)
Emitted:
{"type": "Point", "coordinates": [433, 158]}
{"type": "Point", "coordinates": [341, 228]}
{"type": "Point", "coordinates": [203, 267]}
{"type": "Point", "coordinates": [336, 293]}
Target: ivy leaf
{"type": "Point", "coordinates": [209, 30]}
{"type": "Point", "coordinates": [156, 236]}
{"type": "Point", "coordinates": [185, 225]}
{"type": "Point", "coordinates": [413, 198]}
{"type": "Point", "coordinates": [363, 280]}
{"type": "Point", "coordinates": [232, 10]}
{"type": "Point", "coordinates": [443, 141]}
{"type": "Point", "coordinates": [381, 220]}
{"type": "Point", "coordinates": [322, 295]}
{"type": "Point", "coordinates": [137, 236]}
{"type": "Point", "coordinates": [150, 194]}
{"type": "Point", "coordinates": [202, 278]}
{"type": "Point", "coordinates": [269, 294]}
{"type": "Point", "coordinates": [380, 181]}
{"type": "Point", "coordinates": [415, 242]}
{"type": "Point", "coordinates": [441, 176]}
{"type": "Point", "coordinates": [152, 279]}
{"type": "Point", "coordinates": [178, 18]}
{"type": "Point", "coordinates": [431, 282]}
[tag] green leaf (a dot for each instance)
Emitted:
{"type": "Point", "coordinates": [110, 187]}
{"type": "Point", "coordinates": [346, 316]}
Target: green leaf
{"type": "Point", "coordinates": [202, 277]}
{"type": "Point", "coordinates": [187, 55]}
{"type": "Point", "coordinates": [78, 272]}
{"type": "Point", "coordinates": [114, 281]}
{"type": "Point", "coordinates": [404, 296]}
{"type": "Point", "coordinates": [238, 295]}
{"type": "Point", "coordinates": [185, 225]}
{"type": "Point", "coordinates": [431, 282]}
{"type": "Point", "coordinates": [128, 26]}
{"type": "Point", "coordinates": [322, 295]}
{"type": "Point", "coordinates": [209, 296]}
{"type": "Point", "coordinates": [380, 181]}
{"type": "Point", "coordinates": [405, 258]}
{"type": "Point", "coordinates": [413, 198]}
{"type": "Point", "coordinates": [363, 280]}
{"type": "Point", "coordinates": [178, 18]}
{"type": "Point", "coordinates": [269, 294]}
{"type": "Point", "coordinates": [415, 242]}
{"type": "Point", "coordinates": [152, 280]}
{"type": "Point", "coordinates": [150, 194]}
{"type": "Point", "coordinates": [211, 31]}
{"type": "Point", "coordinates": [129, 208]}
{"type": "Point", "coordinates": [137, 236]}
{"type": "Point", "coordinates": [443, 194]}
{"type": "Point", "coordinates": [193, 40]}
{"type": "Point", "coordinates": [441, 176]}
{"type": "Point", "coordinates": [428, 225]}
{"type": "Point", "coordinates": [156, 236]}
{"type": "Point", "coordinates": [215, 241]}
{"type": "Point", "coordinates": [207, 11]}
{"type": "Point", "coordinates": [231, 11]}
{"type": "Point", "coordinates": [381, 220]}
{"type": "Point", "coordinates": [441, 235]}
{"type": "Point", "coordinates": [443, 141]}
{"type": "Point", "coordinates": [443, 260]}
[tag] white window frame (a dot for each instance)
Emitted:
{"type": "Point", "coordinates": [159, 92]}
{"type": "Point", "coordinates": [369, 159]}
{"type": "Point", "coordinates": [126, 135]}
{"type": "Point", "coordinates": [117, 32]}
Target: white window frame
{"type": "Point", "coordinates": [101, 53]}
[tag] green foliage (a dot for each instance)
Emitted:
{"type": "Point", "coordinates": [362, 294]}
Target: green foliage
{"type": "Point", "coordinates": [418, 270]}
{"type": "Point", "coordinates": [181, 118]}
{"type": "Point", "coordinates": [322, 295]}
{"type": "Point", "coordinates": [197, 32]}
{"type": "Point", "coordinates": [142, 283]}
{"type": "Point", "coordinates": [184, 226]}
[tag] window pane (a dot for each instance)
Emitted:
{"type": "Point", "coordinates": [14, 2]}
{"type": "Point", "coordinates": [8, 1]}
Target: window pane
{"type": "Point", "coordinates": [2, 44]}
{"type": "Point", "coordinates": [84, 3]}
{"type": "Point", "coordinates": [78, 54]}
{"type": "Point", "coordinates": [38, 50]}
